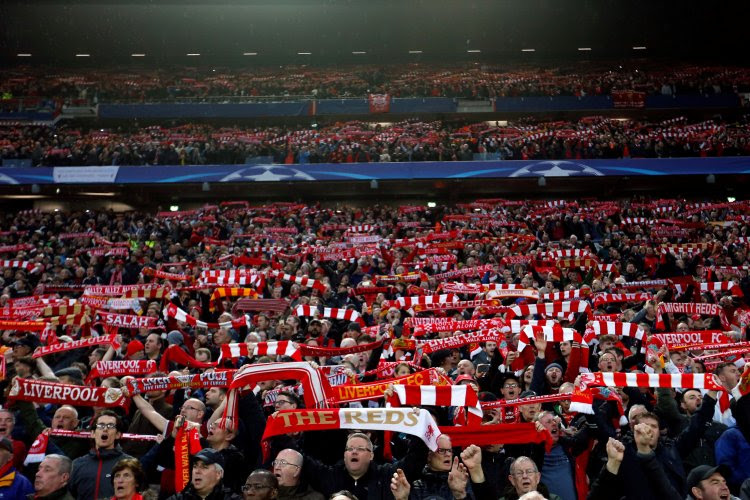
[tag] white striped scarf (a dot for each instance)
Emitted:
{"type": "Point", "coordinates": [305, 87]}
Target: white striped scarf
{"type": "Point", "coordinates": [235, 351]}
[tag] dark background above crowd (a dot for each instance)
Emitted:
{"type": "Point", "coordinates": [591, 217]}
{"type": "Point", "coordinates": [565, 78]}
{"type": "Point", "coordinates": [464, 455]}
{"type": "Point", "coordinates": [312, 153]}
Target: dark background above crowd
{"type": "Point", "coordinates": [386, 30]}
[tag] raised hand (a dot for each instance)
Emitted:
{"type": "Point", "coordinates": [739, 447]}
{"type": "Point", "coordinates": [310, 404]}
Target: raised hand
{"type": "Point", "coordinates": [458, 478]}
{"type": "Point", "coordinates": [643, 436]}
{"type": "Point", "coordinates": [541, 345]}
{"type": "Point", "coordinates": [472, 457]}
{"type": "Point", "coordinates": [615, 454]}
{"type": "Point", "coordinates": [400, 486]}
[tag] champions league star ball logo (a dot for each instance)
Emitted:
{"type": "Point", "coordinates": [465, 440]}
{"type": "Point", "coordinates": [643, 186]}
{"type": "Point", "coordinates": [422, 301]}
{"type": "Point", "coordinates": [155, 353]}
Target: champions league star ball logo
{"type": "Point", "coordinates": [6, 179]}
{"type": "Point", "coordinates": [556, 169]}
{"type": "Point", "coordinates": [268, 173]}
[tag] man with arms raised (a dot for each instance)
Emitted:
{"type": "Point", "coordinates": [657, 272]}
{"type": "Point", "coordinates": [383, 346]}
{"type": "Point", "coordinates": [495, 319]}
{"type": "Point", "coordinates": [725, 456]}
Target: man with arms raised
{"type": "Point", "coordinates": [358, 473]}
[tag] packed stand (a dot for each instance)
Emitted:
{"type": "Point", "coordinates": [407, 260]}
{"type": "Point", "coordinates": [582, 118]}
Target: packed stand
{"type": "Point", "coordinates": [471, 81]}
{"type": "Point", "coordinates": [526, 349]}
{"type": "Point", "coordinates": [592, 137]}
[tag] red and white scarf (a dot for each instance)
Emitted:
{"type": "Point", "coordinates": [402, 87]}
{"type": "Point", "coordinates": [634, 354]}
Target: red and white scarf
{"type": "Point", "coordinates": [172, 311]}
{"type": "Point", "coordinates": [26, 326]}
{"type": "Point", "coordinates": [577, 253]}
{"type": "Point", "coordinates": [550, 309]}
{"type": "Point", "coordinates": [421, 300]}
{"type": "Point", "coordinates": [112, 290]}
{"type": "Point", "coordinates": [104, 340]}
{"type": "Point", "coordinates": [38, 450]}
{"type": "Point", "coordinates": [690, 308]}
{"type": "Point", "coordinates": [612, 298]}
{"type": "Point", "coordinates": [281, 348]}
{"type": "Point", "coordinates": [654, 380]}
{"type": "Point", "coordinates": [722, 286]}
{"type": "Point", "coordinates": [566, 295]}
{"type": "Point", "coordinates": [103, 369]}
{"type": "Point", "coordinates": [302, 281]}
{"type": "Point", "coordinates": [456, 341]}
{"type": "Point", "coordinates": [405, 420]}
{"type": "Point", "coordinates": [201, 380]}
{"type": "Point", "coordinates": [348, 393]}
{"type": "Point", "coordinates": [598, 328]}
{"type": "Point", "coordinates": [131, 321]}
{"type": "Point", "coordinates": [40, 391]}
{"type": "Point", "coordinates": [233, 277]}
{"type": "Point", "coordinates": [692, 338]}
{"type": "Point", "coordinates": [329, 312]}
{"type": "Point", "coordinates": [452, 325]}
{"type": "Point", "coordinates": [444, 395]}
{"type": "Point", "coordinates": [17, 264]}
{"type": "Point", "coordinates": [551, 334]}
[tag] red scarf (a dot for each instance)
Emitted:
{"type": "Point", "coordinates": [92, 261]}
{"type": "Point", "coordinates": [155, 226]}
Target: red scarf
{"type": "Point", "coordinates": [40, 391]}
{"type": "Point", "coordinates": [105, 340]}
{"type": "Point", "coordinates": [175, 354]}
{"type": "Point", "coordinates": [186, 443]}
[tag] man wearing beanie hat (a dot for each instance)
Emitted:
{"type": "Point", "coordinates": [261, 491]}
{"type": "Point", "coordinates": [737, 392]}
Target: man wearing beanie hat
{"type": "Point", "coordinates": [134, 350]}
{"type": "Point", "coordinates": [553, 374]}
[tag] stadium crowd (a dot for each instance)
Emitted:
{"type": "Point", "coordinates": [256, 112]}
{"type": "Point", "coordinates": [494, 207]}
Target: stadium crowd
{"type": "Point", "coordinates": [527, 349]}
{"type": "Point", "coordinates": [410, 80]}
{"type": "Point", "coordinates": [193, 144]}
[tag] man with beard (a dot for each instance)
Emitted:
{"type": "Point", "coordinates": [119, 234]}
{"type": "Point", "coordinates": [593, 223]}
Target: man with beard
{"type": "Point", "coordinates": [90, 476]}
{"type": "Point", "coordinates": [547, 379]}
{"type": "Point", "coordinates": [692, 399]}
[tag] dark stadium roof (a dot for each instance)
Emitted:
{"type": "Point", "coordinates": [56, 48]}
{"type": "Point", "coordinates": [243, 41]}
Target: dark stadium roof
{"type": "Point", "coordinates": [377, 30]}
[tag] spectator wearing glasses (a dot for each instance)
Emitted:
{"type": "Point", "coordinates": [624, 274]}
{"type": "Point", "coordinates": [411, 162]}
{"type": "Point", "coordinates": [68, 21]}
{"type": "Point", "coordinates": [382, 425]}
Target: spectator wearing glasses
{"type": "Point", "coordinates": [191, 415]}
{"type": "Point", "coordinates": [91, 473]}
{"type": "Point", "coordinates": [445, 476]}
{"type": "Point", "coordinates": [261, 485]}
{"type": "Point", "coordinates": [358, 472]}
{"type": "Point", "coordinates": [286, 400]}
{"type": "Point", "coordinates": [524, 478]}
{"type": "Point", "coordinates": [288, 471]}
